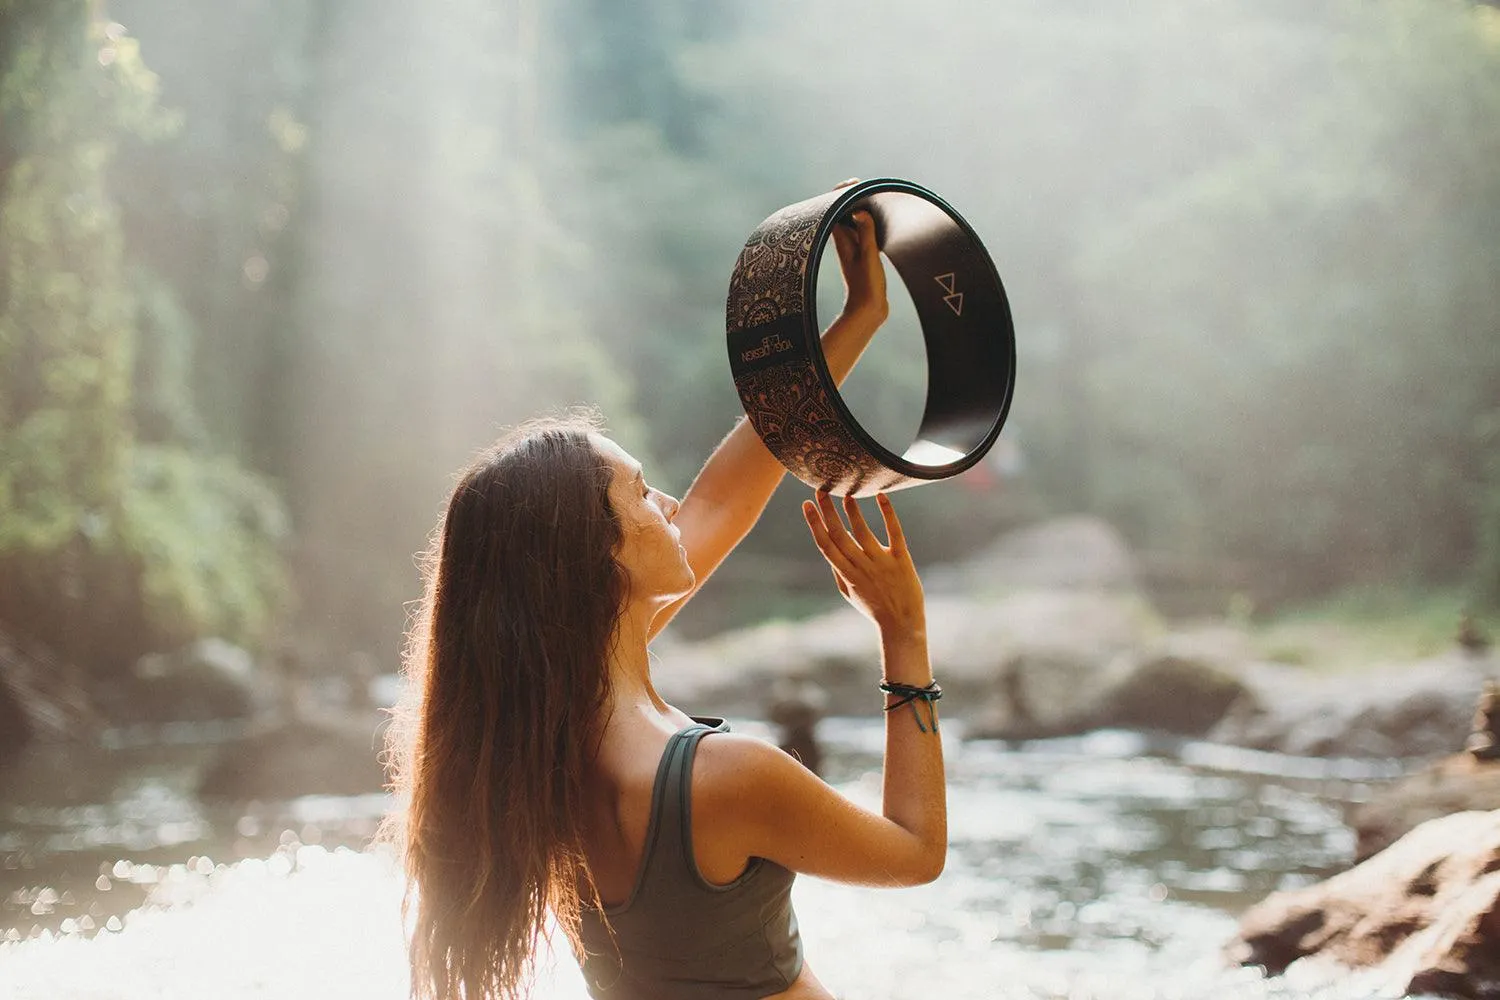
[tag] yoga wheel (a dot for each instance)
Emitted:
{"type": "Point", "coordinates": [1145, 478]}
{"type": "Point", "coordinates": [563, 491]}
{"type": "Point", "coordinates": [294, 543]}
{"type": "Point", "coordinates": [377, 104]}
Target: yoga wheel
{"type": "Point", "coordinates": [776, 355]}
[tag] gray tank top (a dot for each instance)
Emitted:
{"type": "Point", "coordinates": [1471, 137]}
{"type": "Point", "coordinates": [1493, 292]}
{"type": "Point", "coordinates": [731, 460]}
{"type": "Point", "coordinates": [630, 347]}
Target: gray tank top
{"type": "Point", "coordinates": [680, 937]}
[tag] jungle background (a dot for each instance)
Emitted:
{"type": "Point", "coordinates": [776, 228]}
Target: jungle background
{"type": "Point", "coordinates": [271, 271]}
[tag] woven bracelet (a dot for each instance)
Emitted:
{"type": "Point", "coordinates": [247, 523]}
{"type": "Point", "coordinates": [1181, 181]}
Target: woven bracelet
{"type": "Point", "coordinates": [910, 695]}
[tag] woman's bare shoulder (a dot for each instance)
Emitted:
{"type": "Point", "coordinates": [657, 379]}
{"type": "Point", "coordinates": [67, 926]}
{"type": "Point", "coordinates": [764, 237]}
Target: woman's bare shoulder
{"type": "Point", "coordinates": [738, 750]}
{"type": "Point", "coordinates": [739, 771]}
{"type": "Point", "coordinates": [759, 801]}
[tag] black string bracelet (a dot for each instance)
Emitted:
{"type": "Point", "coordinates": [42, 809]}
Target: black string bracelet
{"type": "Point", "coordinates": [910, 695]}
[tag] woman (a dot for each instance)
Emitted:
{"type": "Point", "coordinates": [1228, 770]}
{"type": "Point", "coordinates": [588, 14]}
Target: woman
{"type": "Point", "coordinates": [543, 774]}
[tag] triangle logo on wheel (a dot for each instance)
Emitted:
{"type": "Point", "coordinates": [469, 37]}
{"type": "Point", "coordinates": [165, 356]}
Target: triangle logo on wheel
{"type": "Point", "coordinates": [946, 280]}
{"type": "Point", "coordinates": [955, 302]}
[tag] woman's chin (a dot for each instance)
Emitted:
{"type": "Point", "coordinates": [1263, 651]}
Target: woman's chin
{"type": "Point", "coordinates": [686, 585]}
{"type": "Point", "coordinates": [663, 595]}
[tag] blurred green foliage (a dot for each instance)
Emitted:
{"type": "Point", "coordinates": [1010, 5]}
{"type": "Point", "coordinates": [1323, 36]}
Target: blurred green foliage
{"type": "Point", "coordinates": [108, 545]}
{"type": "Point", "coordinates": [1360, 626]}
{"type": "Point", "coordinates": [260, 299]}
{"type": "Point", "coordinates": [1329, 302]}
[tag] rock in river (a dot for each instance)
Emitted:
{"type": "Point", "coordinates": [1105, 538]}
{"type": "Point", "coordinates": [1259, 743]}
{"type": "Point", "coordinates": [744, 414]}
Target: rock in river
{"type": "Point", "coordinates": [1157, 690]}
{"type": "Point", "coordinates": [971, 640]}
{"type": "Point", "coordinates": [1455, 784]}
{"type": "Point", "coordinates": [1424, 914]}
{"type": "Point", "coordinates": [1399, 710]}
{"type": "Point", "coordinates": [1066, 553]}
{"type": "Point", "coordinates": [1171, 693]}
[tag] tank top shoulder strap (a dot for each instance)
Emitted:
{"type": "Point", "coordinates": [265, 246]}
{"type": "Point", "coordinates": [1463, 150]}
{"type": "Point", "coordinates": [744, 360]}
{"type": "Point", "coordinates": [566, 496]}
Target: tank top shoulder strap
{"type": "Point", "coordinates": [672, 814]}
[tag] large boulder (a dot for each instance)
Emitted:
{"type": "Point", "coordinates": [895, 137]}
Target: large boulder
{"type": "Point", "coordinates": [972, 642]}
{"type": "Point", "coordinates": [1411, 710]}
{"type": "Point", "coordinates": [1168, 686]}
{"type": "Point", "coordinates": [1459, 783]}
{"type": "Point", "coordinates": [1171, 693]}
{"type": "Point", "coordinates": [1038, 694]}
{"type": "Point", "coordinates": [1422, 915]}
{"type": "Point", "coordinates": [1065, 553]}
{"type": "Point", "coordinates": [41, 697]}
{"type": "Point", "coordinates": [209, 680]}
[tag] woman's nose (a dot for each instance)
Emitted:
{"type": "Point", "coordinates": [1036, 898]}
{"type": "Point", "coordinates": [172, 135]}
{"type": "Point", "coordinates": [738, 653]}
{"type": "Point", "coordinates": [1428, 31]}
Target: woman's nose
{"type": "Point", "coordinates": [670, 505]}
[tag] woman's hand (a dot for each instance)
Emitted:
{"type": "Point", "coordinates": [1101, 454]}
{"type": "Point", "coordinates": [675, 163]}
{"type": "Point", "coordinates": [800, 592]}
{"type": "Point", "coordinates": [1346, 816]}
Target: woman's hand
{"type": "Point", "coordinates": [861, 266]}
{"type": "Point", "coordinates": [880, 580]}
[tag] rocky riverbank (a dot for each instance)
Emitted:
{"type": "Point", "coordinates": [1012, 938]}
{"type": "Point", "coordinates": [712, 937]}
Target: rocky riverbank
{"type": "Point", "coordinates": [1047, 634]}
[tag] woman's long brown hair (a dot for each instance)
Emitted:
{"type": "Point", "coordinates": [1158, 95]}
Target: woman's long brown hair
{"type": "Point", "coordinates": [506, 667]}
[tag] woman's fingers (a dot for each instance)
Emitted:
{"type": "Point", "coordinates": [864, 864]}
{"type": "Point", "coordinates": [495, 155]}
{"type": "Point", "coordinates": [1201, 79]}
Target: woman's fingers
{"type": "Point", "coordinates": [879, 581]}
{"type": "Point", "coordinates": [859, 528]}
{"type": "Point", "coordinates": [837, 560]}
{"type": "Point", "coordinates": [864, 223]}
{"type": "Point", "coordinates": [893, 532]}
{"type": "Point", "coordinates": [845, 241]}
{"type": "Point", "coordinates": [854, 235]}
{"type": "Point", "coordinates": [860, 227]}
{"type": "Point", "coordinates": [838, 535]}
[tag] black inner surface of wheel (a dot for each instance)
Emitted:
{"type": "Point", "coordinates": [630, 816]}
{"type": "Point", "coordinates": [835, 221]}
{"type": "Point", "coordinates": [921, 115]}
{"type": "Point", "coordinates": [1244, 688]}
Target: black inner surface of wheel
{"type": "Point", "coordinates": [966, 326]}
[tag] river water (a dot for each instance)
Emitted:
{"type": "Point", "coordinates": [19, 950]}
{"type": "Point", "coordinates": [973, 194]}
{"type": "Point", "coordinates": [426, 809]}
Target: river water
{"type": "Point", "coordinates": [1097, 867]}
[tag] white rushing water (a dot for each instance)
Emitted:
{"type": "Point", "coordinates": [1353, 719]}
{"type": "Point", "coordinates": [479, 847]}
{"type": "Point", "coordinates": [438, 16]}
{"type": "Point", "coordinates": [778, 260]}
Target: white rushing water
{"type": "Point", "coordinates": [1078, 870]}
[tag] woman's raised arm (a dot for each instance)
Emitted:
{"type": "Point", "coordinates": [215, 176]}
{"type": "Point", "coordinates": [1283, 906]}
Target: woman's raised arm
{"type": "Point", "coordinates": [756, 801]}
{"type": "Point", "coordinates": [732, 489]}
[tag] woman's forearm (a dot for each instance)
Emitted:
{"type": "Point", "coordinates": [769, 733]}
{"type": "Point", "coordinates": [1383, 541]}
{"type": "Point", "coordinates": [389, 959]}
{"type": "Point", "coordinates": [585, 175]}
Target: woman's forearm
{"type": "Point", "coordinates": [847, 337]}
{"type": "Point", "coordinates": [741, 473]}
{"type": "Point", "coordinates": [914, 794]}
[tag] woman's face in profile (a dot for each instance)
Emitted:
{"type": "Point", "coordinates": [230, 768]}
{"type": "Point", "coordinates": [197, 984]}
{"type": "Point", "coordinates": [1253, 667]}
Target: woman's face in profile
{"type": "Point", "coordinates": [650, 550]}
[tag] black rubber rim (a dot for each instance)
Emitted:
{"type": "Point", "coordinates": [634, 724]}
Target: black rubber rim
{"type": "Point", "coordinates": [813, 332]}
